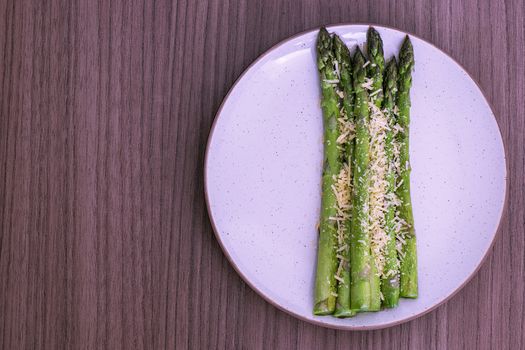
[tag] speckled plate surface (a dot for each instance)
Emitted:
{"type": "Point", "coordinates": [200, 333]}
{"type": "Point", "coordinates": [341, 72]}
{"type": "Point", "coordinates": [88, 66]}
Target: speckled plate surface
{"type": "Point", "coordinates": [263, 173]}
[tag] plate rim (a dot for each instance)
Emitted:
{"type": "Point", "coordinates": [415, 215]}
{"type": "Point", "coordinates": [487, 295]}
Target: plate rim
{"type": "Point", "coordinates": [244, 278]}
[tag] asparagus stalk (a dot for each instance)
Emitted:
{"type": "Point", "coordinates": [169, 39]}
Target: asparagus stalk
{"type": "Point", "coordinates": [360, 258]}
{"type": "Point", "coordinates": [390, 277]}
{"type": "Point", "coordinates": [408, 288]}
{"type": "Point", "coordinates": [325, 287]}
{"type": "Point", "coordinates": [375, 72]}
{"type": "Point", "coordinates": [342, 55]}
{"type": "Point", "coordinates": [377, 64]}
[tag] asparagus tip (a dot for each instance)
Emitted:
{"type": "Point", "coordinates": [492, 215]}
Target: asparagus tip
{"type": "Point", "coordinates": [358, 52]}
{"type": "Point", "coordinates": [342, 53]}
{"type": "Point", "coordinates": [391, 68]}
{"type": "Point", "coordinates": [324, 41]}
{"type": "Point", "coordinates": [406, 57]}
{"type": "Point", "coordinates": [407, 44]}
{"type": "Point", "coordinates": [374, 42]}
{"type": "Point", "coordinates": [359, 58]}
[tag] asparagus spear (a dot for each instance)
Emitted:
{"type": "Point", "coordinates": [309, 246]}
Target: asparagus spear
{"type": "Point", "coordinates": [377, 64]}
{"type": "Point", "coordinates": [325, 287]}
{"type": "Point", "coordinates": [408, 288]}
{"type": "Point", "coordinates": [342, 55]}
{"type": "Point", "coordinates": [375, 73]}
{"type": "Point", "coordinates": [360, 258]}
{"type": "Point", "coordinates": [390, 277]}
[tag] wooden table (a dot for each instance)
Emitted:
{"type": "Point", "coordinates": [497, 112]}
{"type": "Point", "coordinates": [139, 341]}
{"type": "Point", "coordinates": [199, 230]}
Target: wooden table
{"type": "Point", "coordinates": [105, 110]}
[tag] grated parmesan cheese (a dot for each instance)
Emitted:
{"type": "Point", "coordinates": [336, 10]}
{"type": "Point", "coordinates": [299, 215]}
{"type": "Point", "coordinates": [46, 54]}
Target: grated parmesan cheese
{"type": "Point", "coordinates": [400, 226]}
{"type": "Point", "coordinates": [375, 92]}
{"type": "Point", "coordinates": [342, 187]}
{"type": "Point", "coordinates": [378, 201]}
{"type": "Point", "coordinates": [341, 258]}
{"type": "Point", "coordinates": [342, 190]}
{"type": "Point", "coordinates": [336, 69]}
{"type": "Point", "coordinates": [346, 130]}
{"type": "Point", "coordinates": [368, 84]}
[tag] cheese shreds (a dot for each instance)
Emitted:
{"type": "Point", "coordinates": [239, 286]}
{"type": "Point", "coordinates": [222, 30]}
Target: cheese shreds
{"type": "Point", "coordinates": [400, 226]}
{"type": "Point", "coordinates": [342, 182]}
{"type": "Point", "coordinates": [339, 271]}
{"type": "Point", "coordinates": [375, 92]}
{"type": "Point", "coordinates": [336, 69]}
{"type": "Point", "coordinates": [379, 202]}
{"type": "Point", "coordinates": [342, 138]}
{"type": "Point", "coordinates": [400, 229]}
{"type": "Point", "coordinates": [366, 64]}
{"type": "Point", "coordinates": [396, 162]}
{"type": "Point", "coordinates": [397, 128]}
{"type": "Point", "coordinates": [396, 110]}
{"type": "Point", "coordinates": [340, 257]}
{"type": "Point", "coordinates": [341, 190]}
{"type": "Point", "coordinates": [368, 84]}
{"type": "Point", "coordinates": [346, 130]}
{"type": "Point", "coordinates": [342, 248]}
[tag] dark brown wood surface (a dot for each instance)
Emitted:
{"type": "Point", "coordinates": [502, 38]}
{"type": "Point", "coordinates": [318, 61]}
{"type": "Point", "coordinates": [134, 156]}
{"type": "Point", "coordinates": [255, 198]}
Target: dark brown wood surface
{"type": "Point", "coordinates": [105, 108]}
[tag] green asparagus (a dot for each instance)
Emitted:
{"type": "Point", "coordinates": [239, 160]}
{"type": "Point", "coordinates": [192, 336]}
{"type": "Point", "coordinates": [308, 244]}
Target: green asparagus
{"type": "Point", "coordinates": [375, 73]}
{"type": "Point", "coordinates": [325, 287]}
{"type": "Point", "coordinates": [346, 139]}
{"type": "Point", "coordinates": [409, 284]}
{"type": "Point", "coordinates": [376, 66]}
{"type": "Point", "coordinates": [360, 258]}
{"type": "Point", "coordinates": [367, 244]}
{"type": "Point", "coordinates": [390, 277]}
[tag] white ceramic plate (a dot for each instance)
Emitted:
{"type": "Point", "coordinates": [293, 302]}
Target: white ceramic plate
{"type": "Point", "coordinates": [263, 173]}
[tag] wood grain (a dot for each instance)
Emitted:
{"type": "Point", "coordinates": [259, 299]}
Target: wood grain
{"type": "Point", "coordinates": [105, 110]}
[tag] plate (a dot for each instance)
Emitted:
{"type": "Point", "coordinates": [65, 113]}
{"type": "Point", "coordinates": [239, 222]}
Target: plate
{"type": "Point", "coordinates": [263, 176]}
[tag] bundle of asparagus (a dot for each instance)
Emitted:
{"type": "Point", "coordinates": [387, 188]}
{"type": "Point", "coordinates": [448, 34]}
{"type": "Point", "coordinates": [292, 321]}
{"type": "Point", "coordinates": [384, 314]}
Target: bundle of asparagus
{"type": "Point", "coordinates": [367, 245]}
